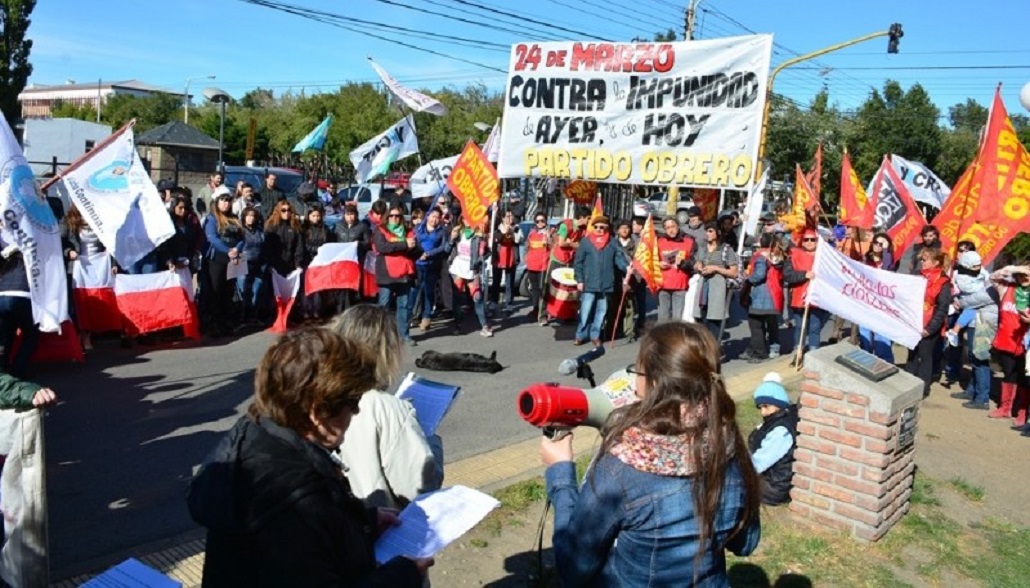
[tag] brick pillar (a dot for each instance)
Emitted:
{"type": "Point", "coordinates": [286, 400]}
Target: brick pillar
{"type": "Point", "coordinates": [854, 460]}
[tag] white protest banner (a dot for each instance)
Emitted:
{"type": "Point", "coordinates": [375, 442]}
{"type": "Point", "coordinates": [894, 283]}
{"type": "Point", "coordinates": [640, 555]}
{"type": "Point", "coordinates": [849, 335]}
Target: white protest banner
{"type": "Point", "coordinates": [923, 184]}
{"type": "Point", "coordinates": [376, 155]}
{"type": "Point", "coordinates": [414, 100]}
{"type": "Point", "coordinates": [28, 223]}
{"type": "Point", "coordinates": [23, 559]}
{"type": "Point", "coordinates": [117, 198]}
{"type": "Point", "coordinates": [753, 209]}
{"type": "Point", "coordinates": [431, 179]}
{"type": "Point", "coordinates": [686, 114]}
{"type": "Point", "coordinates": [884, 302]}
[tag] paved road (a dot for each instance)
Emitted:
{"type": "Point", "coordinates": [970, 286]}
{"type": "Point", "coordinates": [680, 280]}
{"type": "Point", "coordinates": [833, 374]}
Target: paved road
{"type": "Point", "coordinates": [133, 424]}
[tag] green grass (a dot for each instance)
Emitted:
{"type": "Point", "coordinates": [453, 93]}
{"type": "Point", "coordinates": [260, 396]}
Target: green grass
{"type": "Point", "coordinates": [971, 491]}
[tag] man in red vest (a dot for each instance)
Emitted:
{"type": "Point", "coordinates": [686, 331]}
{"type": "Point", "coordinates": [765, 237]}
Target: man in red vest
{"type": "Point", "coordinates": [676, 254]}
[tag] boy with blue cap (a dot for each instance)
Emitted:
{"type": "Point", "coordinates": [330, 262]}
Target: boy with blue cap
{"type": "Point", "coordinates": [772, 444]}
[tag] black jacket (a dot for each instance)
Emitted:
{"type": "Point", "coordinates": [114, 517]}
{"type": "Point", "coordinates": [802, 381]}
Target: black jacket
{"type": "Point", "coordinates": [284, 247]}
{"type": "Point", "coordinates": [269, 198]}
{"type": "Point", "coordinates": [314, 237]}
{"type": "Point", "coordinates": [358, 232]}
{"type": "Point", "coordinates": [776, 481]}
{"type": "Point", "coordinates": [279, 512]}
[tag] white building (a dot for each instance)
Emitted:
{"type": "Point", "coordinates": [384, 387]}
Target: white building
{"type": "Point", "coordinates": [37, 100]}
{"type": "Point", "coordinates": [62, 138]}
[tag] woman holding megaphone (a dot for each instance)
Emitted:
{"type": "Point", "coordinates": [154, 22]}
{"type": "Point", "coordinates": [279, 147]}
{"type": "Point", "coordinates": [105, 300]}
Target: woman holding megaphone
{"type": "Point", "coordinates": [672, 486]}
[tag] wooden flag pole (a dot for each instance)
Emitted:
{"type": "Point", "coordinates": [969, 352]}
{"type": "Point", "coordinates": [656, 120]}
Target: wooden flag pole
{"type": "Point", "coordinates": [87, 156]}
{"type": "Point", "coordinates": [799, 353]}
{"type": "Point", "coordinates": [618, 313]}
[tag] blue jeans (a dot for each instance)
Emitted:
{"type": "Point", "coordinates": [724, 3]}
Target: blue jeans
{"type": "Point", "coordinates": [428, 275]}
{"type": "Point", "coordinates": [400, 292]}
{"type": "Point", "coordinates": [592, 308]}
{"type": "Point", "coordinates": [16, 313]}
{"type": "Point", "coordinates": [817, 318]}
{"type": "Point", "coordinates": [477, 304]}
{"type": "Point", "coordinates": [878, 345]}
{"type": "Point", "coordinates": [249, 288]}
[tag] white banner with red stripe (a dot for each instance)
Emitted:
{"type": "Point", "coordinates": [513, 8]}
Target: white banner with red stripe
{"type": "Point", "coordinates": [284, 289]}
{"type": "Point", "coordinates": [96, 306]}
{"type": "Point", "coordinates": [152, 302]}
{"type": "Point", "coordinates": [335, 267]}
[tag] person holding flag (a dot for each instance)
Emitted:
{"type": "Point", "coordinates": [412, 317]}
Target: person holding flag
{"type": "Point", "coordinates": [936, 302]}
{"type": "Point", "coordinates": [797, 274]}
{"type": "Point", "coordinates": [597, 261]}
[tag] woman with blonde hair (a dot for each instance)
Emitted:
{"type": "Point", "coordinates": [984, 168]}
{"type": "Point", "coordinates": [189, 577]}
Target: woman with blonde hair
{"type": "Point", "coordinates": [388, 458]}
{"type": "Point", "coordinates": [672, 486]}
{"type": "Point", "coordinates": [224, 244]}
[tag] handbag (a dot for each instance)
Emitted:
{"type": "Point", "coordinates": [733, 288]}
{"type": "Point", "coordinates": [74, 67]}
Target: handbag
{"type": "Point", "coordinates": [736, 283]}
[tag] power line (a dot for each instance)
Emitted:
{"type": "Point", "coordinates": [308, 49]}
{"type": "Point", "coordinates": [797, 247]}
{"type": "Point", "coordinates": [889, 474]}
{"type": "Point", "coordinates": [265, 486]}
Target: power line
{"type": "Point", "coordinates": [598, 16]}
{"type": "Point", "coordinates": [547, 35]}
{"type": "Point", "coordinates": [493, 27]}
{"type": "Point", "coordinates": [511, 15]}
{"type": "Point", "coordinates": [652, 23]}
{"type": "Point", "coordinates": [918, 67]}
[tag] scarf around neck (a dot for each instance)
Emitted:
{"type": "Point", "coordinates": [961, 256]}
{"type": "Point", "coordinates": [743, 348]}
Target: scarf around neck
{"type": "Point", "coordinates": [600, 241]}
{"type": "Point", "coordinates": [664, 455]}
{"type": "Point", "coordinates": [397, 229]}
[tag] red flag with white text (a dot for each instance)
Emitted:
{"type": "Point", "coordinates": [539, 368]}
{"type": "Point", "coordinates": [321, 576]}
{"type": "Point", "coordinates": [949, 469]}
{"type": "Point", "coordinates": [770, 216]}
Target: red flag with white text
{"type": "Point", "coordinates": [895, 209]}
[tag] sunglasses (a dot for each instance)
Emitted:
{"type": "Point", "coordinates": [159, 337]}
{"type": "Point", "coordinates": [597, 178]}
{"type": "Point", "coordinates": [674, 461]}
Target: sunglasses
{"type": "Point", "coordinates": [285, 210]}
{"type": "Point", "coordinates": [880, 243]}
{"type": "Point", "coordinates": [393, 216]}
{"type": "Point", "coordinates": [809, 240]}
{"type": "Point", "coordinates": [540, 221]}
{"type": "Point", "coordinates": [600, 227]}
{"type": "Point", "coordinates": [632, 370]}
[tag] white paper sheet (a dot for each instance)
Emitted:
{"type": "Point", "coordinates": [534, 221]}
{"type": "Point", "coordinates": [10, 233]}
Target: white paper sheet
{"type": "Point", "coordinates": [235, 270]}
{"type": "Point", "coordinates": [433, 521]}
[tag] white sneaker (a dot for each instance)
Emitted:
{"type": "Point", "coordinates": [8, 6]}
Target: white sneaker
{"type": "Point", "coordinates": [487, 332]}
{"type": "Point", "coordinates": [952, 338]}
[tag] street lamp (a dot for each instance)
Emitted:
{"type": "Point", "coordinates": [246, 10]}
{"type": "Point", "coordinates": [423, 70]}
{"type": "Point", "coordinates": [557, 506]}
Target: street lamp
{"type": "Point", "coordinates": [186, 96]}
{"type": "Point", "coordinates": [222, 98]}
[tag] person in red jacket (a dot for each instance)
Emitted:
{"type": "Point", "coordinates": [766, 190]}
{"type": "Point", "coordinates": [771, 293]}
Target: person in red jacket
{"type": "Point", "coordinates": [566, 242]}
{"type": "Point", "coordinates": [936, 302]}
{"type": "Point", "coordinates": [676, 254]}
{"type": "Point", "coordinates": [507, 238]}
{"type": "Point", "coordinates": [797, 273]}
{"type": "Point", "coordinates": [395, 247]}
{"type": "Point", "coordinates": [1013, 285]}
{"type": "Point", "coordinates": [537, 252]}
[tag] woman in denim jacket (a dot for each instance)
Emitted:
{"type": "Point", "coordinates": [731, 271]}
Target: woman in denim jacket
{"type": "Point", "coordinates": [637, 519]}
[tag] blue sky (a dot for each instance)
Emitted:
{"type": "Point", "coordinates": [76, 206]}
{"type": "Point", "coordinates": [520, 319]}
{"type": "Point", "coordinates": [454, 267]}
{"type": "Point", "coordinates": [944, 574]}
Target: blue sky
{"type": "Point", "coordinates": [246, 46]}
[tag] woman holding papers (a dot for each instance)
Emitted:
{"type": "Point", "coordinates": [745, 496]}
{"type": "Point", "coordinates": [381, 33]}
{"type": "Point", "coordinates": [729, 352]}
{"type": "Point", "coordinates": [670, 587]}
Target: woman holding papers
{"type": "Point", "coordinates": [386, 455]}
{"type": "Point", "coordinates": [277, 508]}
{"type": "Point", "coordinates": [672, 486]}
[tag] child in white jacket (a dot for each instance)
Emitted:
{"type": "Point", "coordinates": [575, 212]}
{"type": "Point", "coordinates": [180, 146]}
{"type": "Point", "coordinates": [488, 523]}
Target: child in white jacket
{"type": "Point", "coordinates": [969, 278]}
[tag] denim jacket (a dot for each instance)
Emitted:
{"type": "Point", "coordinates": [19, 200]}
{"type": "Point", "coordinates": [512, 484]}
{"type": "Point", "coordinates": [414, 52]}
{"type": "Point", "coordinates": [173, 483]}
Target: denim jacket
{"type": "Point", "coordinates": [626, 527]}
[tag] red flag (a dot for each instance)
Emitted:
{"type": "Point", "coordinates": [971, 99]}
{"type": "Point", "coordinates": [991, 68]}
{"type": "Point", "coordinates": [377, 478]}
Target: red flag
{"type": "Point", "coordinates": [645, 258]}
{"type": "Point", "coordinates": [815, 176]}
{"type": "Point", "coordinates": [855, 207]}
{"type": "Point", "coordinates": [335, 267]}
{"type": "Point", "coordinates": [580, 191]}
{"type": "Point", "coordinates": [474, 183]}
{"type": "Point", "coordinates": [896, 212]}
{"type": "Point", "coordinates": [152, 302]}
{"type": "Point", "coordinates": [54, 347]}
{"type": "Point", "coordinates": [959, 210]}
{"type": "Point", "coordinates": [285, 292]}
{"type": "Point", "coordinates": [369, 287]}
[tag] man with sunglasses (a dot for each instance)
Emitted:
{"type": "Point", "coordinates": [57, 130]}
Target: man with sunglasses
{"type": "Point", "coordinates": [537, 251]}
{"type": "Point", "coordinates": [595, 265]}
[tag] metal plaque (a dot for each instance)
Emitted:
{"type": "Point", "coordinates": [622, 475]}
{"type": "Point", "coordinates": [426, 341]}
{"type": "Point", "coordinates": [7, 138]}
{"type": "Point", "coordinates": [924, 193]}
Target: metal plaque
{"type": "Point", "coordinates": [867, 365]}
{"type": "Point", "coordinates": [907, 428]}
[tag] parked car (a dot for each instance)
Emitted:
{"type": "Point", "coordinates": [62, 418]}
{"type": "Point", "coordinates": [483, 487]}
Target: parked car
{"type": "Point", "coordinates": [660, 204]}
{"type": "Point", "coordinates": [287, 179]}
{"type": "Point", "coordinates": [365, 194]}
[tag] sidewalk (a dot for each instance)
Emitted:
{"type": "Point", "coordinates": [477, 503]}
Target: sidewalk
{"type": "Point", "coordinates": [184, 561]}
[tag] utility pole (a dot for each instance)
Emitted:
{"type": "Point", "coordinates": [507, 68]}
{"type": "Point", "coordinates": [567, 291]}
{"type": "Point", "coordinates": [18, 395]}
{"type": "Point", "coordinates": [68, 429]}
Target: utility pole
{"type": "Point", "coordinates": [688, 25]}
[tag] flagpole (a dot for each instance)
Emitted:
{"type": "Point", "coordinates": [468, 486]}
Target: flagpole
{"type": "Point", "coordinates": [618, 313]}
{"type": "Point", "coordinates": [87, 156]}
{"type": "Point", "coordinates": [799, 353]}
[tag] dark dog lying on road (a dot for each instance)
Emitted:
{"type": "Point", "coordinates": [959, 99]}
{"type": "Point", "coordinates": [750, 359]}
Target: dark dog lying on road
{"type": "Point", "coordinates": [459, 362]}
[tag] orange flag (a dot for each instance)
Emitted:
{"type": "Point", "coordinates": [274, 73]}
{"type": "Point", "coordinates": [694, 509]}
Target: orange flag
{"type": "Point", "coordinates": [855, 207]}
{"type": "Point", "coordinates": [598, 211]}
{"type": "Point", "coordinates": [474, 183]}
{"type": "Point", "coordinates": [707, 199]}
{"type": "Point", "coordinates": [645, 258]}
{"type": "Point", "coordinates": [805, 203]}
{"type": "Point", "coordinates": [990, 204]}
{"type": "Point", "coordinates": [815, 176]}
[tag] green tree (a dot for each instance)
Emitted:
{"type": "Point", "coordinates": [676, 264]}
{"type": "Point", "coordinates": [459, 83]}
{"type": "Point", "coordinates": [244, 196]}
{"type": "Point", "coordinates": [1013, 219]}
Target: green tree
{"type": "Point", "coordinates": [149, 111]}
{"type": "Point", "coordinates": [14, 54]}
{"type": "Point", "coordinates": [62, 109]}
{"type": "Point", "coordinates": [960, 142]}
{"type": "Point", "coordinates": [896, 121]}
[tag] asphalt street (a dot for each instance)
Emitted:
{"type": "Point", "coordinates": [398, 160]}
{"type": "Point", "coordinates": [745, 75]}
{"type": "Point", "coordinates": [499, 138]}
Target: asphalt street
{"type": "Point", "coordinates": [133, 424]}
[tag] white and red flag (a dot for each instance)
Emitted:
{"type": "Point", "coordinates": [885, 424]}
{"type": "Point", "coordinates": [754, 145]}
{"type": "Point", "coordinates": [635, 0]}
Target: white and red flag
{"type": "Point", "coordinates": [96, 307]}
{"type": "Point", "coordinates": [335, 267]}
{"type": "Point", "coordinates": [285, 292]}
{"type": "Point", "coordinates": [152, 302]}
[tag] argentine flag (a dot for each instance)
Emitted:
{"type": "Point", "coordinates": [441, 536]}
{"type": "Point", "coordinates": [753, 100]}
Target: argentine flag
{"type": "Point", "coordinates": [316, 138]}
